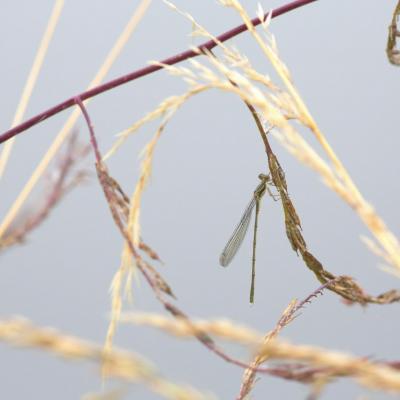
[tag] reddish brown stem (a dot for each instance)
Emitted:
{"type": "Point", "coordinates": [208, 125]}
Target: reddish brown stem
{"type": "Point", "coordinates": [144, 71]}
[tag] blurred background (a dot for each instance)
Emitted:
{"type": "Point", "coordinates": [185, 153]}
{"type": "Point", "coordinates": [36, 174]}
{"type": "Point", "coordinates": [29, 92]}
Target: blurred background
{"type": "Point", "coordinates": [205, 169]}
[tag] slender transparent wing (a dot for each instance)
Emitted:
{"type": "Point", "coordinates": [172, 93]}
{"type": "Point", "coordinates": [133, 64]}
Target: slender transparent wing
{"type": "Point", "coordinates": [238, 235]}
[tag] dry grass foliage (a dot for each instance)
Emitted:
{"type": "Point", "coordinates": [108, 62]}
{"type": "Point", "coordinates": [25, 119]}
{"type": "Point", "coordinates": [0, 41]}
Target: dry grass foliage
{"type": "Point", "coordinates": [277, 106]}
{"type": "Point", "coordinates": [124, 365]}
{"type": "Point", "coordinates": [368, 373]}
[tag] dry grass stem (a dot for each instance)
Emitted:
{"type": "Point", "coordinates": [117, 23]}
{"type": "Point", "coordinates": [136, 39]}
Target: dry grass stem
{"type": "Point", "coordinates": [166, 108]}
{"type": "Point", "coordinates": [31, 81]}
{"type": "Point", "coordinates": [221, 328]}
{"type": "Point", "coordinates": [249, 375]}
{"type": "Point", "coordinates": [368, 374]}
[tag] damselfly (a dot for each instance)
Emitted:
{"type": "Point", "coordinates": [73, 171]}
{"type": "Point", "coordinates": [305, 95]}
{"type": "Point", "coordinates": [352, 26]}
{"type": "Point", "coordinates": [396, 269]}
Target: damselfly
{"type": "Point", "coordinates": [239, 233]}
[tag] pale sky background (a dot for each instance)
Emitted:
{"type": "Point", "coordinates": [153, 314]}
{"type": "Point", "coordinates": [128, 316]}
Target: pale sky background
{"type": "Point", "coordinates": [205, 169]}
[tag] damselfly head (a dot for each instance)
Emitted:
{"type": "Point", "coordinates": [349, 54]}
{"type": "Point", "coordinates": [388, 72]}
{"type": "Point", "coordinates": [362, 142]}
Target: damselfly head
{"type": "Point", "coordinates": [264, 178]}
